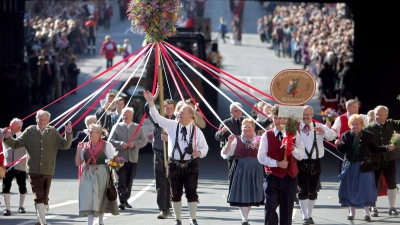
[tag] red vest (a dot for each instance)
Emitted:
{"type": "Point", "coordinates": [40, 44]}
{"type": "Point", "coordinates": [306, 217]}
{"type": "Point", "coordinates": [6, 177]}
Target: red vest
{"type": "Point", "coordinates": [241, 150]}
{"type": "Point", "coordinates": [344, 124]}
{"type": "Point", "coordinates": [276, 152]}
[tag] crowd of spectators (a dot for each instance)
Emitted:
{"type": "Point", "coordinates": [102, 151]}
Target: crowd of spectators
{"type": "Point", "coordinates": [318, 35]}
{"type": "Point", "coordinates": [55, 38]}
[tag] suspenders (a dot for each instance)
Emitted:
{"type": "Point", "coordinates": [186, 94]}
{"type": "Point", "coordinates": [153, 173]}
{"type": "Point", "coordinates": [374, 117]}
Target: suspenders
{"type": "Point", "coordinates": [314, 146]}
{"type": "Point", "coordinates": [176, 146]}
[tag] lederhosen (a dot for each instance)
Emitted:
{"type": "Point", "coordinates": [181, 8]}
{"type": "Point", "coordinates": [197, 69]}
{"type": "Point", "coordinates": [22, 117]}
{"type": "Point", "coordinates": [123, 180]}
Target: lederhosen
{"type": "Point", "coordinates": [183, 173]}
{"type": "Point", "coordinates": [309, 173]}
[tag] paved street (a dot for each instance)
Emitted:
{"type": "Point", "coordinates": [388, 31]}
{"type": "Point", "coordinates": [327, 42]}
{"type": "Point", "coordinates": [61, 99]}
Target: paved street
{"type": "Point", "coordinates": [252, 63]}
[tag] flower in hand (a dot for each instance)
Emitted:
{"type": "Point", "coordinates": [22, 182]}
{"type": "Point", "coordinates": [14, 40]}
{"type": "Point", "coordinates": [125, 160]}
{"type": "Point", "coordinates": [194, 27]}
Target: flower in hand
{"type": "Point", "coordinates": [116, 162]}
{"type": "Point", "coordinates": [395, 140]}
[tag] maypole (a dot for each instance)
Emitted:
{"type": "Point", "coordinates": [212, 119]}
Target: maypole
{"type": "Point", "coordinates": [157, 20]}
{"type": "Point", "coordinates": [161, 98]}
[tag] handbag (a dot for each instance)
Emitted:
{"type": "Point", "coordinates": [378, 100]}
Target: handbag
{"type": "Point", "coordinates": [366, 165]}
{"type": "Point", "coordinates": [2, 173]}
{"type": "Point", "coordinates": [111, 191]}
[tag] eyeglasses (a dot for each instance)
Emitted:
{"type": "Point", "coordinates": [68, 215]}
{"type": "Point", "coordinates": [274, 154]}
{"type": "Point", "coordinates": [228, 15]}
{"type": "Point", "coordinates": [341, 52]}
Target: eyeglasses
{"type": "Point", "coordinates": [236, 110]}
{"type": "Point", "coordinates": [93, 132]}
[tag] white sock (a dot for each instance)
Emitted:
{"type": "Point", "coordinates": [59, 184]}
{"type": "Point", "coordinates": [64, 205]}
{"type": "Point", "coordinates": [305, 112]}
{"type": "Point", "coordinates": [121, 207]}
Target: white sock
{"type": "Point", "coordinates": [7, 200]}
{"type": "Point", "coordinates": [101, 218]}
{"type": "Point", "coordinates": [41, 209]}
{"type": "Point", "coordinates": [352, 211]}
{"type": "Point", "coordinates": [192, 209]}
{"type": "Point", "coordinates": [90, 219]}
{"type": "Point", "coordinates": [311, 204]}
{"type": "Point", "coordinates": [177, 207]}
{"type": "Point", "coordinates": [366, 211]}
{"type": "Point", "coordinates": [392, 197]}
{"type": "Point", "coordinates": [245, 212]}
{"type": "Point", "coordinates": [21, 200]}
{"type": "Point", "coordinates": [304, 207]}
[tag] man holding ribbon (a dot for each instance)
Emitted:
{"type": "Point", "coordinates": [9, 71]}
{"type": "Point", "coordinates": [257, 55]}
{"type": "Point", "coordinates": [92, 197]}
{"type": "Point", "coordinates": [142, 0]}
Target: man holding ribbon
{"type": "Point", "coordinates": [186, 143]}
{"type": "Point", "coordinates": [127, 139]}
{"type": "Point", "coordinates": [312, 135]}
{"type": "Point", "coordinates": [15, 164]}
{"type": "Point", "coordinates": [42, 143]}
{"type": "Point", "coordinates": [279, 159]}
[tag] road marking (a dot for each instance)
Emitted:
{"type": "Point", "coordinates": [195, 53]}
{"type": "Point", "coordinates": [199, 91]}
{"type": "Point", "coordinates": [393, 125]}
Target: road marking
{"type": "Point", "coordinates": [138, 195]}
{"type": "Point", "coordinates": [69, 202]}
{"type": "Point", "coordinates": [249, 82]}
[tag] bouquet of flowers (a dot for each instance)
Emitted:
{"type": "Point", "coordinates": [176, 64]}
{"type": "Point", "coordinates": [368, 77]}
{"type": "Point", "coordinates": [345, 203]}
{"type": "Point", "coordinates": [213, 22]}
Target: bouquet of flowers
{"type": "Point", "coordinates": [157, 19]}
{"type": "Point", "coordinates": [329, 115]}
{"type": "Point", "coordinates": [395, 140]}
{"type": "Point", "coordinates": [115, 163]}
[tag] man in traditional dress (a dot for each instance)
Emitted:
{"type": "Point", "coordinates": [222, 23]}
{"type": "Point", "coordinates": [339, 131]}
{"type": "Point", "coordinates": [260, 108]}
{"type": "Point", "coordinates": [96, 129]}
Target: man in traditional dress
{"type": "Point", "coordinates": [385, 163]}
{"type": "Point", "coordinates": [312, 135]}
{"type": "Point", "coordinates": [17, 170]}
{"type": "Point", "coordinates": [280, 182]}
{"type": "Point", "coordinates": [42, 143]}
{"type": "Point", "coordinates": [160, 172]}
{"type": "Point", "coordinates": [128, 149]}
{"type": "Point", "coordinates": [186, 143]}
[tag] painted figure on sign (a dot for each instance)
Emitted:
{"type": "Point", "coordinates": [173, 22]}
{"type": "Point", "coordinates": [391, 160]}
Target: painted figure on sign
{"type": "Point", "coordinates": [293, 84]}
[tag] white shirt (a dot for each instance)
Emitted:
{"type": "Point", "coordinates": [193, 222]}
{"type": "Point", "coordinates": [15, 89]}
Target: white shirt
{"type": "Point", "coordinates": [128, 125]}
{"type": "Point", "coordinates": [308, 140]}
{"type": "Point", "coordinates": [199, 141]}
{"type": "Point", "coordinates": [231, 151]}
{"type": "Point", "coordinates": [41, 131]}
{"type": "Point", "coordinates": [110, 151]}
{"type": "Point", "coordinates": [298, 151]}
{"type": "Point", "coordinates": [337, 124]}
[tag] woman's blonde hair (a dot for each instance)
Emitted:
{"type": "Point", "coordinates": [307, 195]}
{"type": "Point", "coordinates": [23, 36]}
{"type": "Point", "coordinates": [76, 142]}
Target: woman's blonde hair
{"type": "Point", "coordinates": [249, 120]}
{"type": "Point", "coordinates": [356, 117]}
{"type": "Point", "coordinates": [99, 128]}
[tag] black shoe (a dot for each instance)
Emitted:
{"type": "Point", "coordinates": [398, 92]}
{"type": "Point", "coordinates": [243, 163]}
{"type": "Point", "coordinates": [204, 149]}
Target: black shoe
{"type": "Point", "coordinates": [393, 211]}
{"type": "Point", "coordinates": [374, 212]}
{"type": "Point", "coordinates": [367, 218]}
{"type": "Point", "coordinates": [122, 206]}
{"type": "Point", "coordinates": [127, 205]}
{"type": "Point", "coordinates": [194, 222]}
{"type": "Point", "coordinates": [162, 215]}
{"type": "Point", "coordinates": [350, 217]}
{"type": "Point", "coordinates": [245, 222]}
{"type": "Point", "coordinates": [7, 212]}
{"type": "Point", "coordinates": [21, 210]}
{"type": "Point", "coordinates": [306, 222]}
{"type": "Point", "coordinates": [310, 220]}
{"type": "Point", "coordinates": [177, 222]}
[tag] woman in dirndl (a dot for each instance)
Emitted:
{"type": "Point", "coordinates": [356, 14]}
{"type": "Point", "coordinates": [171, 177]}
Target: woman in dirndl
{"type": "Point", "coordinates": [95, 175]}
{"type": "Point", "coordinates": [357, 188]}
{"type": "Point", "coordinates": [246, 188]}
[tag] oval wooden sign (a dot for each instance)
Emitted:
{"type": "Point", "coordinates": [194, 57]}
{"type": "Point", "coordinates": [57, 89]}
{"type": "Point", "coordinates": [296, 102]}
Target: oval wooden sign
{"type": "Point", "coordinates": [293, 87]}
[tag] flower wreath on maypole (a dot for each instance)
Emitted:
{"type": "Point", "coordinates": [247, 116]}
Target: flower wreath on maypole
{"type": "Point", "coordinates": [157, 19]}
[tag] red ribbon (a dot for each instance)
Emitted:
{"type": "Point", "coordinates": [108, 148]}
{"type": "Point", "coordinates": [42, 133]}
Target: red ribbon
{"type": "Point", "coordinates": [15, 162]}
{"type": "Point", "coordinates": [219, 78]}
{"type": "Point", "coordinates": [289, 143]}
{"type": "Point", "coordinates": [184, 85]}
